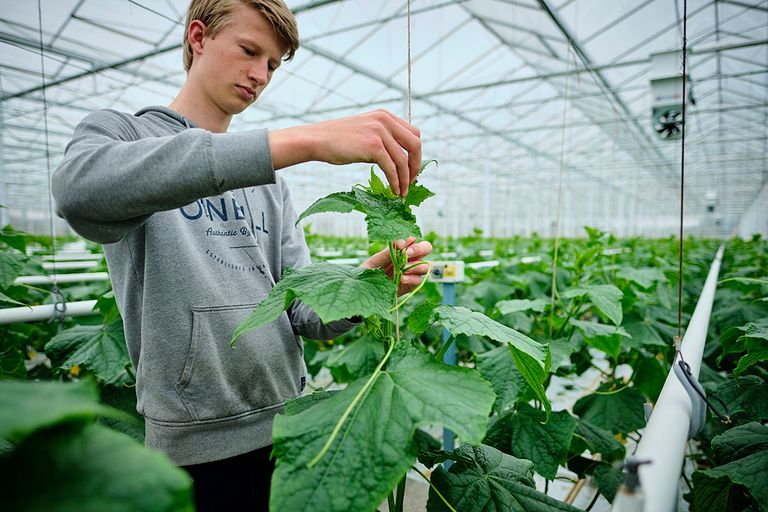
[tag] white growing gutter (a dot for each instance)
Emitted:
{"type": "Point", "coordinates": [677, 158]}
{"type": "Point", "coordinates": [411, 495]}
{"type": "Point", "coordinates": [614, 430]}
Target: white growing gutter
{"type": "Point", "coordinates": [665, 435]}
{"type": "Point", "coordinates": [45, 312]}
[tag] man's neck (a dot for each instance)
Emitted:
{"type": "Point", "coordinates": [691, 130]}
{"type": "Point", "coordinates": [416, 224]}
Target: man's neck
{"type": "Point", "coordinates": [200, 109]}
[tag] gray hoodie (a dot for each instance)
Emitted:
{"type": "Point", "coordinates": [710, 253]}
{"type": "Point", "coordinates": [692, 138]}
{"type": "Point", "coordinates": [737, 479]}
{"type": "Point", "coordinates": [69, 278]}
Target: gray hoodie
{"type": "Point", "coordinates": [196, 230]}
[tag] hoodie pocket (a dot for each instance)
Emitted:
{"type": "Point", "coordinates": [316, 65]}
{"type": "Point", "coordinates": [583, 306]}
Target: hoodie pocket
{"type": "Point", "coordinates": [263, 369]}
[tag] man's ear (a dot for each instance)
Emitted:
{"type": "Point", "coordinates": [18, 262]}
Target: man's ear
{"type": "Point", "coordinates": [196, 35]}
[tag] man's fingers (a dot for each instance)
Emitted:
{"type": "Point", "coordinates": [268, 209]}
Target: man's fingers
{"type": "Point", "coordinates": [401, 162]}
{"type": "Point", "coordinates": [408, 137]}
{"type": "Point", "coordinates": [390, 169]}
{"type": "Point", "coordinates": [417, 251]}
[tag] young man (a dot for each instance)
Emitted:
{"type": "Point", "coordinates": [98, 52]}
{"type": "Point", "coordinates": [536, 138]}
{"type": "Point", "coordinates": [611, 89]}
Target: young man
{"type": "Point", "coordinates": [197, 227]}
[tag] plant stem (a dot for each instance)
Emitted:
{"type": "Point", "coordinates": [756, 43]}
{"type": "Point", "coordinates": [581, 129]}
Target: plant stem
{"type": "Point", "coordinates": [351, 406]}
{"type": "Point", "coordinates": [594, 500]}
{"type": "Point", "coordinates": [391, 502]}
{"type": "Point", "coordinates": [400, 494]}
{"type": "Point", "coordinates": [429, 481]}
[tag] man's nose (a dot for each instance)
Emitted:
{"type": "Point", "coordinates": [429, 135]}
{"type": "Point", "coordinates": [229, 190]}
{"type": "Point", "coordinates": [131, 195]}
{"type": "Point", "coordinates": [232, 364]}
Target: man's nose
{"type": "Point", "coordinates": [259, 72]}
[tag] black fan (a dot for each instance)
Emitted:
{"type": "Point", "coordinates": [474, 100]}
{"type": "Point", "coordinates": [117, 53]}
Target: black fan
{"type": "Point", "coordinates": [668, 124]}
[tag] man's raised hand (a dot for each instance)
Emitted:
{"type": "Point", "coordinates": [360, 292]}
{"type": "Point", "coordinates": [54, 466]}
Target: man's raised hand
{"type": "Point", "coordinates": [377, 137]}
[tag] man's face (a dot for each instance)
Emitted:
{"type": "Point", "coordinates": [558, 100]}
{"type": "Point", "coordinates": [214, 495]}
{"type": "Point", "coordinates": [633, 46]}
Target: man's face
{"type": "Point", "coordinates": [237, 64]}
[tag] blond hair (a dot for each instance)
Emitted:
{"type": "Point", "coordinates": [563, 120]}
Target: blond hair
{"type": "Point", "coordinates": [215, 14]}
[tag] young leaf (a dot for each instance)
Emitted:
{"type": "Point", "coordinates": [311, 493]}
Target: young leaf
{"type": "Point", "coordinates": [332, 291]}
{"type": "Point", "coordinates": [387, 217]}
{"type": "Point", "coordinates": [100, 348]}
{"type": "Point", "coordinates": [417, 194]}
{"type": "Point", "coordinates": [339, 202]}
{"type": "Point", "coordinates": [605, 297]}
{"type": "Point", "coordinates": [606, 338]}
{"type": "Point", "coordinates": [91, 468]}
{"type": "Point", "coordinates": [375, 447]}
{"type": "Point", "coordinates": [483, 479]}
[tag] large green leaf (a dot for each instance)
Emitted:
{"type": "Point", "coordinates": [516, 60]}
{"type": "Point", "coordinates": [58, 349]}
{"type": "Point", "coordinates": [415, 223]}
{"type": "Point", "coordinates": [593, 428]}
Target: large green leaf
{"type": "Point", "coordinates": [545, 444]}
{"type": "Point", "coordinates": [744, 449]}
{"type": "Point", "coordinates": [484, 479]}
{"type": "Point", "coordinates": [27, 406]}
{"type": "Point", "coordinates": [13, 238]}
{"type": "Point", "coordinates": [617, 412]}
{"type": "Point", "coordinates": [599, 440]}
{"type": "Point", "coordinates": [716, 494]}
{"type": "Point", "coordinates": [356, 359]}
{"type": "Point", "coordinates": [11, 263]}
{"type": "Point", "coordinates": [755, 341]}
{"type": "Point", "coordinates": [375, 446]}
{"type": "Point", "coordinates": [643, 277]}
{"type": "Point", "coordinates": [741, 441]}
{"type": "Point", "coordinates": [5, 298]}
{"type": "Point", "coordinates": [99, 348]}
{"type": "Point", "coordinates": [532, 359]}
{"type": "Point", "coordinates": [332, 291]}
{"type": "Point", "coordinates": [89, 468]}
{"type": "Point", "coordinates": [498, 368]}
{"type": "Point", "coordinates": [750, 471]}
{"type": "Point", "coordinates": [513, 306]}
{"type": "Point", "coordinates": [605, 297]}
{"type": "Point", "coordinates": [746, 396]}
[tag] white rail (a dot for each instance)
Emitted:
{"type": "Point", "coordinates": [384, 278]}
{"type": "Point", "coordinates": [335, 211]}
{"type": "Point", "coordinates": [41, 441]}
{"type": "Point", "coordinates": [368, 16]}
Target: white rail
{"type": "Point", "coordinates": [44, 312]}
{"type": "Point", "coordinates": [63, 278]}
{"type": "Point", "coordinates": [665, 436]}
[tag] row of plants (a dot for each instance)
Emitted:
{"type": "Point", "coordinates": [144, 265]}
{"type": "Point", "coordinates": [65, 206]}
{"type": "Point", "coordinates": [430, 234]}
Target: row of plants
{"type": "Point", "coordinates": [614, 312]}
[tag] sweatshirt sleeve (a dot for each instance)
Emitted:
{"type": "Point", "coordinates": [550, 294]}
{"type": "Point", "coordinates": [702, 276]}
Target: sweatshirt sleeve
{"type": "Point", "coordinates": [295, 253]}
{"type": "Point", "coordinates": [111, 180]}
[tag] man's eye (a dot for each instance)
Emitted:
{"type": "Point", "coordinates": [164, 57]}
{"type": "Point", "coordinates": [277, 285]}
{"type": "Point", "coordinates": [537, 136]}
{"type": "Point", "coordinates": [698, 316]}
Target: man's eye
{"type": "Point", "coordinates": [248, 51]}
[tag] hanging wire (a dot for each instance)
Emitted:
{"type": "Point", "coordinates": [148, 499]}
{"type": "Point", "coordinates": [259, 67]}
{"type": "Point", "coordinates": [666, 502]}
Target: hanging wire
{"type": "Point", "coordinates": [559, 194]}
{"type": "Point", "coordinates": [678, 339]}
{"type": "Point", "coordinates": [410, 117]}
{"type": "Point", "coordinates": [687, 373]}
{"type": "Point", "coordinates": [59, 302]}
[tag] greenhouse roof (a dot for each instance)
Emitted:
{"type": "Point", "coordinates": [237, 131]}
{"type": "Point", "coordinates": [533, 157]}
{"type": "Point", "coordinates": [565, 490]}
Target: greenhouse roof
{"type": "Point", "coordinates": [513, 98]}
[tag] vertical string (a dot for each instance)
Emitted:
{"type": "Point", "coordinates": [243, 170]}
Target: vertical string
{"type": "Point", "coordinates": [559, 195]}
{"type": "Point", "coordinates": [410, 116]}
{"type": "Point", "coordinates": [45, 128]}
{"type": "Point", "coordinates": [682, 185]}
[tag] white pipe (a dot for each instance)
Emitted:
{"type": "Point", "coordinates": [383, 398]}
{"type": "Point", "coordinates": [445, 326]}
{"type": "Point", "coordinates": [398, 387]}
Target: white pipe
{"type": "Point", "coordinates": [45, 312]}
{"type": "Point", "coordinates": [63, 278]}
{"type": "Point", "coordinates": [70, 265]}
{"type": "Point", "coordinates": [665, 436]}
{"type": "Point", "coordinates": [80, 256]}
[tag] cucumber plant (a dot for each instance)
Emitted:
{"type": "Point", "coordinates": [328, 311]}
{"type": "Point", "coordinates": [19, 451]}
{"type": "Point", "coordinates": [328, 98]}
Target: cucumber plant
{"type": "Point", "coordinates": [350, 449]}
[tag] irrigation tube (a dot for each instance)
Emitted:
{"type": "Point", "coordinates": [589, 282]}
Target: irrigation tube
{"type": "Point", "coordinates": [665, 436]}
{"type": "Point", "coordinates": [45, 312]}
